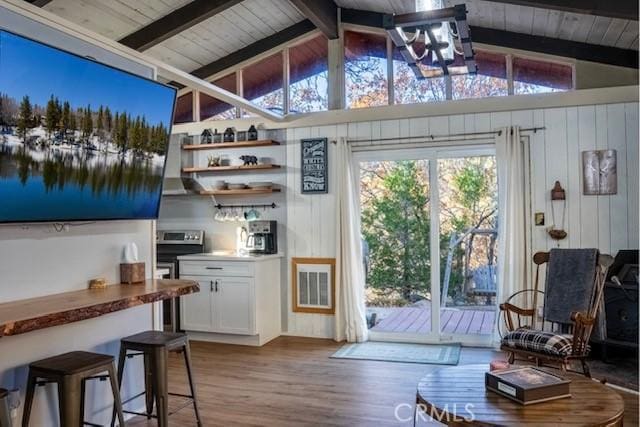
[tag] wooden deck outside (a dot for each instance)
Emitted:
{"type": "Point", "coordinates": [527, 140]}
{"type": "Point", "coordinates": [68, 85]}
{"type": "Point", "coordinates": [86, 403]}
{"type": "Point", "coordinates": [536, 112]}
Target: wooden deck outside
{"type": "Point", "coordinates": [452, 321]}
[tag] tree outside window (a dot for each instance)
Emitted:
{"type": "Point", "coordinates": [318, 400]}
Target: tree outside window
{"type": "Point", "coordinates": [408, 89]}
{"type": "Point", "coordinates": [214, 108]}
{"type": "Point", "coordinates": [309, 76]}
{"type": "Point", "coordinates": [532, 76]}
{"type": "Point", "coordinates": [490, 80]}
{"type": "Point", "coordinates": [263, 83]}
{"type": "Point", "coordinates": [365, 64]}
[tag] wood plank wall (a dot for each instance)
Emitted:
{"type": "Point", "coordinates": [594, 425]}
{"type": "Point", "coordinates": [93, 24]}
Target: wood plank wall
{"type": "Point", "coordinates": [609, 223]}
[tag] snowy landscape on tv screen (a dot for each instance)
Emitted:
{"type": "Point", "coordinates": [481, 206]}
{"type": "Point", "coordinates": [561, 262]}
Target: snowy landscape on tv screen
{"type": "Point", "coordinates": [78, 140]}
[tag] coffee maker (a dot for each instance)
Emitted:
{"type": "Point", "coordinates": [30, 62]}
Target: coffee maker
{"type": "Point", "coordinates": [262, 237]}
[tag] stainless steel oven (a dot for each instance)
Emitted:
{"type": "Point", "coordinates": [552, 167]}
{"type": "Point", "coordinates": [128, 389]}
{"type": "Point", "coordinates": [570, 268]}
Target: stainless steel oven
{"type": "Point", "coordinates": [170, 244]}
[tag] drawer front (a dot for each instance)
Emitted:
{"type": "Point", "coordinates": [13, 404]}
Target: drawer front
{"type": "Point", "coordinates": [216, 268]}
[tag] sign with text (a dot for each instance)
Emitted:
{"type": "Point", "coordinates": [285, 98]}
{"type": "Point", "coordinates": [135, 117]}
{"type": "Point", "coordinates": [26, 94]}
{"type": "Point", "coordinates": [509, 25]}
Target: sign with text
{"type": "Point", "coordinates": [314, 166]}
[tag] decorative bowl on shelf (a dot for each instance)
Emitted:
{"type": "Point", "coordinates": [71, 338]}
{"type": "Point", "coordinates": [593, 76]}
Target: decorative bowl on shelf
{"type": "Point", "coordinates": [236, 186]}
{"type": "Point", "coordinates": [260, 185]}
{"type": "Point", "coordinates": [219, 185]}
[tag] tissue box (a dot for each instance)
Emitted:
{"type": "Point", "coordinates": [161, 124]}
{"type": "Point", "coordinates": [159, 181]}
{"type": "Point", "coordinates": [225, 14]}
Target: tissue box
{"type": "Point", "coordinates": [131, 273]}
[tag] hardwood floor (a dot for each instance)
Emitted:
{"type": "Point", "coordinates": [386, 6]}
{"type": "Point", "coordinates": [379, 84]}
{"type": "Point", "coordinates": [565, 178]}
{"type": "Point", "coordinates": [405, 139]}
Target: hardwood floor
{"type": "Point", "coordinates": [293, 382]}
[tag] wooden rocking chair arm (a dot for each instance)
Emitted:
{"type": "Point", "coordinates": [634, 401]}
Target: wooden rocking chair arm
{"type": "Point", "coordinates": [517, 310]}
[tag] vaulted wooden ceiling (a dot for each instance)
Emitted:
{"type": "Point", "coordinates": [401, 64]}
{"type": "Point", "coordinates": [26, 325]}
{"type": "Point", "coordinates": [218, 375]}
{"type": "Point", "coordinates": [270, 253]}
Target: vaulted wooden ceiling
{"type": "Point", "coordinates": [205, 36]}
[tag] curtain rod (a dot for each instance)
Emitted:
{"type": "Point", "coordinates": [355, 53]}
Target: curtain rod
{"type": "Point", "coordinates": [434, 137]}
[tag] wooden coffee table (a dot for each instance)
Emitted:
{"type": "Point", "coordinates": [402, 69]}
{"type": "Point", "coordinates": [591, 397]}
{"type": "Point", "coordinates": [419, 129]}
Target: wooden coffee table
{"type": "Point", "coordinates": [457, 396]}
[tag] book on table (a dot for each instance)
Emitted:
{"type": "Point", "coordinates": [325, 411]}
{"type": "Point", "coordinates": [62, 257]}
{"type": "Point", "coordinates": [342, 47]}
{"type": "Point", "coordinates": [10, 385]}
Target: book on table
{"type": "Point", "coordinates": [527, 385]}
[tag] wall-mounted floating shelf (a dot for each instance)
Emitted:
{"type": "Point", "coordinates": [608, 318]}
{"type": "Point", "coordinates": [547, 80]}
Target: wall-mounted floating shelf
{"type": "Point", "coordinates": [236, 168]}
{"type": "Point", "coordinates": [245, 192]}
{"type": "Point", "coordinates": [220, 145]}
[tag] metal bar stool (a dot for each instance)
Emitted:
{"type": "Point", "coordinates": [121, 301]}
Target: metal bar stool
{"type": "Point", "coordinates": [155, 346]}
{"type": "Point", "coordinates": [71, 371]}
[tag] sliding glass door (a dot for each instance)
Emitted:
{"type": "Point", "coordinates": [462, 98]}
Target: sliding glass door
{"type": "Point", "coordinates": [429, 232]}
{"type": "Point", "coordinates": [395, 200]}
{"type": "Point", "coordinates": [468, 232]}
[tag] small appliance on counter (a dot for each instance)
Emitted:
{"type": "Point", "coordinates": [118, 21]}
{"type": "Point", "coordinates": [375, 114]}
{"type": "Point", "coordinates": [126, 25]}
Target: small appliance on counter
{"type": "Point", "coordinates": [262, 237]}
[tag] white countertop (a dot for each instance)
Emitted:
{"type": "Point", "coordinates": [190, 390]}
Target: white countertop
{"type": "Point", "coordinates": [227, 256]}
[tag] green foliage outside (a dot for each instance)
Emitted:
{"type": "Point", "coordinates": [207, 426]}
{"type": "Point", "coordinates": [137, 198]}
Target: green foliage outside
{"type": "Point", "coordinates": [395, 198]}
{"type": "Point", "coordinates": [396, 227]}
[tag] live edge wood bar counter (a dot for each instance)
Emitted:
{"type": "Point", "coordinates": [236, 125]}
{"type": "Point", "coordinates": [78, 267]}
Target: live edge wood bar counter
{"type": "Point", "coordinates": [19, 317]}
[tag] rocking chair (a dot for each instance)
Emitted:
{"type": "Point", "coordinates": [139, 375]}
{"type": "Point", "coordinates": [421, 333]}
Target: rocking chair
{"type": "Point", "coordinates": [537, 339]}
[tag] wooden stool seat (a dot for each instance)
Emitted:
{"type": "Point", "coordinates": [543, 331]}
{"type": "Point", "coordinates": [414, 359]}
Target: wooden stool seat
{"type": "Point", "coordinates": [155, 346]}
{"type": "Point", "coordinates": [72, 363]}
{"type": "Point", "coordinates": [71, 371]}
{"type": "Point", "coordinates": [171, 340]}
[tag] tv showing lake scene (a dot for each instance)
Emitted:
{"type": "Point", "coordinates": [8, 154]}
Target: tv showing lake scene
{"type": "Point", "coordinates": [79, 140]}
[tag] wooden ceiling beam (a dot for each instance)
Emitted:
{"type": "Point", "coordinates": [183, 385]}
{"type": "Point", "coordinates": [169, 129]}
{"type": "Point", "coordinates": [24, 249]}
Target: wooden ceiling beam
{"type": "Point", "coordinates": [323, 14]}
{"type": "Point", "coordinates": [551, 46]}
{"type": "Point", "coordinates": [39, 3]}
{"type": "Point", "coordinates": [254, 49]}
{"type": "Point", "coordinates": [622, 9]}
{"type": "Point", "coordinates": [175, 22]}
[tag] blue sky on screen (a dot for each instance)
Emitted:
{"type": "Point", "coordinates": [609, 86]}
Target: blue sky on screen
{"type": "Point", "coordinates": [30, 68]}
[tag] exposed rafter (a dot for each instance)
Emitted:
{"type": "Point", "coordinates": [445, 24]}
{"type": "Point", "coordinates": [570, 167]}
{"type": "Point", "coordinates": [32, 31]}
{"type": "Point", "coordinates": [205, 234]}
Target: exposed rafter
{"type": "Point", "coordinates": [582, 51]}
{"type": "Point", "coordinates": [623, 9]}
{"type": "Point", "coordinates": [323, 14]}
{"type": "Point", "coordinates": [552, 46]}
{"type": "Point", "coordinates": [175, 22]}
{"type": "Point", "coordinates": [254, 49]}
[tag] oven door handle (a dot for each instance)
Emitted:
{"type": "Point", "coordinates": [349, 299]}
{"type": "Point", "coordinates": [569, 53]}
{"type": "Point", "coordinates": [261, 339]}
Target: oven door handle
{"type": "Point", "coordinates": [214, 268]}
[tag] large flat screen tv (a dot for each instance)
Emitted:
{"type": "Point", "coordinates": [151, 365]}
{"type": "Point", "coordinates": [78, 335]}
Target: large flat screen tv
{"type": "Point", "coordinates": [79, 140]}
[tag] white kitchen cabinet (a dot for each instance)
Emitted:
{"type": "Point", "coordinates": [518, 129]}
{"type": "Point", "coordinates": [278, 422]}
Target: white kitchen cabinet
{"type": "Point", "coordinates": [238, 302]}
{"type": "Point", "coordinates": [233, 306]}
{"type": "Point", "coordinates": [196, 308]}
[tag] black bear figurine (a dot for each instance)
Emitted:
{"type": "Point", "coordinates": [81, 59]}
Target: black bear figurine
{"type": "Point", "coordinates": [249, 160]}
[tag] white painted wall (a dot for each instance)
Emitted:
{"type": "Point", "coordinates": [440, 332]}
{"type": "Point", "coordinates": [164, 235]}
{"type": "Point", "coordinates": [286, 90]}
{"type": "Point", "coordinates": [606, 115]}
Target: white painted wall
{"type": "Point", "coordinates": [609, 223]}
{"type": "Point", "coordinates": [35, 260]}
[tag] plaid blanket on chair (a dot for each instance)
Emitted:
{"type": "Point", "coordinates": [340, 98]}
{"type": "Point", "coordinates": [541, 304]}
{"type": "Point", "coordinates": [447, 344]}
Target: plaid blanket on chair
{"type": "Point", "coordinates": [539, 342]}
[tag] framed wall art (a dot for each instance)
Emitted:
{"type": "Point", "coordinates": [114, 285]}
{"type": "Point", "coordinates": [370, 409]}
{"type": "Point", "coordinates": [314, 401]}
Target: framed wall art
{"type": "Point", "coordinates": [313, 166]}
{"type": "Point", "coordinates": [599, 172]}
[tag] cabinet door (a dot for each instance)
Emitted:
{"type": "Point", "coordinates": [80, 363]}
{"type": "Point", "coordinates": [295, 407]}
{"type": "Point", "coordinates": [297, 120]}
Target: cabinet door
{"type": "Point", "coordinates": [196, 310]}
{"type": "Point", "coordinates": [233, 306]}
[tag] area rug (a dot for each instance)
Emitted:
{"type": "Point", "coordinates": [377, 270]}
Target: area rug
{"type": "Point", "coordinates": [434, 354]}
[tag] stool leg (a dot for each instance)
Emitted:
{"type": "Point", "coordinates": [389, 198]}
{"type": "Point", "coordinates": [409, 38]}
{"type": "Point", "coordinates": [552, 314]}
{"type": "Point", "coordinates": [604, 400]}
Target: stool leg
{"type": "Point", "coordinates": [28, 400]}
{"type": "Point", "coordinates": [69, 397]}
{"type": "Point", "coordinates": [117, 402]}
{"type": "Point", "coordinates": [192, 385]}
{"type": "Point", "coordinates": [121, 360]}
{"type": "Point", "coordinates": [160, 383]}
{"type": "Point", "coordinates": [148, 385]}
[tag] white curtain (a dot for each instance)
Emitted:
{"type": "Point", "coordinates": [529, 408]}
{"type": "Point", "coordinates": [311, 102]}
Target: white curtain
{"type": "Point", "coordinates": [350, 318]}
{"type": "Point", "coordinates": [512, 232]}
